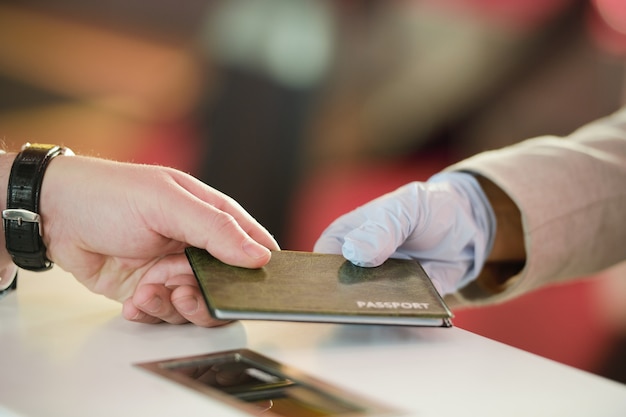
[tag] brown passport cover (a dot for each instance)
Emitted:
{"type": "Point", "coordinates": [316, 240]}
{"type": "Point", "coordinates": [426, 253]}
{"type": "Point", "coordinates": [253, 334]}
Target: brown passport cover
{"type": "Point", "coordinates": [307, 286]}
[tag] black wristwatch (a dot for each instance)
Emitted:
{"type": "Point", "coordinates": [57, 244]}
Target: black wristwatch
{"type": "Point", "coordinates": [22, 223]}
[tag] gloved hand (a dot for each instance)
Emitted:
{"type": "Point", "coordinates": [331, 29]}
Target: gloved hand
{"type": "Point", "coordinates": [446, 223]}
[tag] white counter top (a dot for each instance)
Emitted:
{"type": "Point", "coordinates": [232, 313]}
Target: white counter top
{"type": "Point", "coordinates": [67, 352]}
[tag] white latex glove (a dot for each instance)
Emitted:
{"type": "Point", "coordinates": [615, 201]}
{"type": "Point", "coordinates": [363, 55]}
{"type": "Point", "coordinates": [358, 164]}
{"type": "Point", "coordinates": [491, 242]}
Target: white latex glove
{"type": "Point", "coordinates": [446, 223]}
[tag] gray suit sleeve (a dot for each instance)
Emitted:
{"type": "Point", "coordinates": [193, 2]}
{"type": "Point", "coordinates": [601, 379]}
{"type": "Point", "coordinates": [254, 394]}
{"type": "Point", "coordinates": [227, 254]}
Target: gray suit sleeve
{"type": "Point", "coordinates": [572, 195]}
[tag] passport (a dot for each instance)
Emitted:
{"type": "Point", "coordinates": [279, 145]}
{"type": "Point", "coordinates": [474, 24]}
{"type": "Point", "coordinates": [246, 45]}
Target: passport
{"type": "Point", "coordinates": [324, 288]}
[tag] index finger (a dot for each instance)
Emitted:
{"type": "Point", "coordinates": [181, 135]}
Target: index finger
{"type": "Point", "coordinates": [209, 219]}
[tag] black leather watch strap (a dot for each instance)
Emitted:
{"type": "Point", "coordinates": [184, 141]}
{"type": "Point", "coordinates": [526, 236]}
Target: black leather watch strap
{"type": "Point", "coordinates": [22, 222]}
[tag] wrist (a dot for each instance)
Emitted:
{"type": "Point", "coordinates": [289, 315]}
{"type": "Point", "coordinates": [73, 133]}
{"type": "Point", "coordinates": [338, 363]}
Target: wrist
{"type": "Point", "coordinates": [508, 256]}
{"type": "Point", "coordinates": [509, 237]}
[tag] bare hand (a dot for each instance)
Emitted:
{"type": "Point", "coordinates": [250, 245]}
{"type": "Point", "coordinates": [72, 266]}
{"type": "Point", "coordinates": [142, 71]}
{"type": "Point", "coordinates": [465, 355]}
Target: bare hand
{"type": "Point", "coordinates": [121, 230]}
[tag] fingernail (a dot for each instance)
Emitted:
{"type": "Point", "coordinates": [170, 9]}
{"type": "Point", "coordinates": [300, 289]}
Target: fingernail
{"type": "Point", "coordinates": [139, 316]}
{"type": "Point", "coordinates": [347, 249]}
{"type": "Point", "coordinates": [152, 305]}
{"type": "Point", "coordinates": [254, 250]}
{"type": "Point", "coordinates": [186, 305]}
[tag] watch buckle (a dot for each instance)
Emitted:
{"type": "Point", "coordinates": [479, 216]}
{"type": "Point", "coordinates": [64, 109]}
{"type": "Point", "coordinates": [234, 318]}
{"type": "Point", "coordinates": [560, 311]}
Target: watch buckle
{"type": "Point", "coordinates": [21, 215]}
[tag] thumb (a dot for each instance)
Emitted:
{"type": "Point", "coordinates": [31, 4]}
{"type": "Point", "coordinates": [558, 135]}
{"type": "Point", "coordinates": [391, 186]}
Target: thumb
{"type": "Point", "coordinates": [370, 244]}
{"type": "Point", "coordinates": [390, 221]}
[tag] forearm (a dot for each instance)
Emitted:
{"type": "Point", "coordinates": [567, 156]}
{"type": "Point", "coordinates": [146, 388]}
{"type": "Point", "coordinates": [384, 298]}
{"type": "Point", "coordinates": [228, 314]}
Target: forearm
{"type": "Point", "coordinates": [7, 268]}
{"type": "Point", "coordinates": [6, 161]}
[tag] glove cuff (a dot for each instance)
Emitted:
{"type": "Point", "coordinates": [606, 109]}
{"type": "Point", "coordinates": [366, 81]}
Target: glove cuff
{"type": "Point", "coordinates": [481, 212]}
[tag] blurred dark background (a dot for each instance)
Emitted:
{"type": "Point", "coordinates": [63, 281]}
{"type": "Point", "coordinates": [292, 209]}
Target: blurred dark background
{"type": "Point", "coordinates": [303, 109]}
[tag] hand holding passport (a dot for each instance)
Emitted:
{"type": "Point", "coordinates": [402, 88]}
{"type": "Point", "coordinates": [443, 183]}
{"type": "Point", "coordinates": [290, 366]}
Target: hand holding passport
{"type": "Point", "coordinates": [315, 287]}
